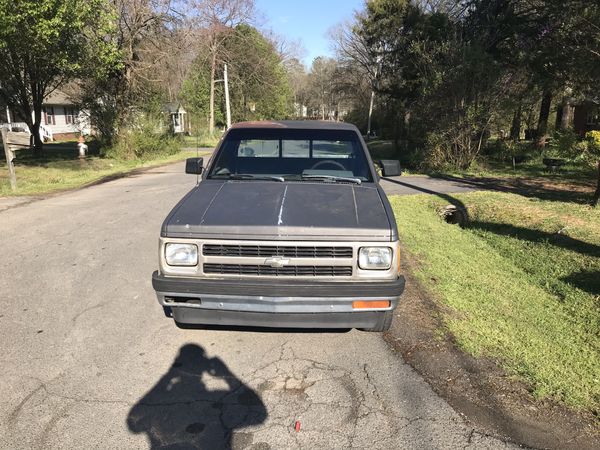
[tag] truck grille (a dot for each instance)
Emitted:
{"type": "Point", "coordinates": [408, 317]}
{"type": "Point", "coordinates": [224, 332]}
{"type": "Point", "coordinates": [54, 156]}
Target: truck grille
{"type": "Point", "coordinates": [293, 271]}
{"type": "Point", "coordinates": [276, 250]}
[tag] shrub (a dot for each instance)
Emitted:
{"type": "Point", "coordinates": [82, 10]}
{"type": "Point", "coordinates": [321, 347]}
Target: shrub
{"type": "Point", "coordinates": [593, 140]}
{"type": "Point", "coordinates": [144, 140]}
{"type": "Point", "coordinates": [563, 145]}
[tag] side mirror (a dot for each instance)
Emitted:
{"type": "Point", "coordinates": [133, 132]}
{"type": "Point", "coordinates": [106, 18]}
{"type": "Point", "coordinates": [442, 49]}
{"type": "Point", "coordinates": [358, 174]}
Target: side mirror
{"type": "Point", "coordinates": [390, 167]}
{"type": "Point", "coordinates": [194, 165]}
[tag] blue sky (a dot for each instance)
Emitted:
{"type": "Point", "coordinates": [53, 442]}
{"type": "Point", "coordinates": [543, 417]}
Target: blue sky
{"type": "Point", "coordinates": [307, 20]}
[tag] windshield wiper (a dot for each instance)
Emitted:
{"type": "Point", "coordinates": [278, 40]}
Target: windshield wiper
{"type": "Point", "coordinates": [250, 176]}
{"type": "Point", "coordinates": [331, 178]}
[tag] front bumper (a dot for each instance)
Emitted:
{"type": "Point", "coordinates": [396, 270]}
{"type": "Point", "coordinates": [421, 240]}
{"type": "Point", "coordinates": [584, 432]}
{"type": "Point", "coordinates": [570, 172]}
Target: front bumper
{"type": "Point", "coordinates": [274, 303]}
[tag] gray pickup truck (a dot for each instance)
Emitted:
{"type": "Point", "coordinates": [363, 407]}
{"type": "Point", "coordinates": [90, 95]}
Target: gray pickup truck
{"type": "Point", "coordinates": [288, 227]}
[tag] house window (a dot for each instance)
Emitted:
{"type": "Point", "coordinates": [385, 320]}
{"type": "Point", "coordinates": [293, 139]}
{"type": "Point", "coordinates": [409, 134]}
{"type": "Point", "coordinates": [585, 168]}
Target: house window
{"type": "Point", "coordinates": [70, 115]}
{"type": "Point", "coordinates": [49, 117]}
{"type": "Point", "coordinates": [593, 117]}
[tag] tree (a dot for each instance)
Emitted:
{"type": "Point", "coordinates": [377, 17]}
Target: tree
{"type": "Point", "coordinates": [298, 81]}
{"type": "Point", "coordinates": [357, 70]}
{"type": "Point", "coordinates": [321, 85]}
{"type": "Point", "coordinates": [151, 58]}
{"type": "Point", "coordinates": [592, 154]}
{"type": "Point", "coordinates": [195, 92]}
{"type": "Point", "coordinates": [214, 21]}
{"type": "Point", "coordinates": [46, 43]}
{"type": "Point", "coordinates": [258, 82]}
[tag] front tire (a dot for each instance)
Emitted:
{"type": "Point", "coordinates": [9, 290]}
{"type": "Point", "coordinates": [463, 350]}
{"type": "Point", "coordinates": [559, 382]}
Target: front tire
{"type": "Point", "coordinates": [383, 323]}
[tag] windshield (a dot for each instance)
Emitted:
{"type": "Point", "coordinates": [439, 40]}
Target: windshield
{"type": "Point", "coordinates": [276, 154]}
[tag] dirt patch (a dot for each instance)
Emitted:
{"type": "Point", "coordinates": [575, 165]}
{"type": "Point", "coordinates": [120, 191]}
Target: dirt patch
{"type": "Point", "coordinates": [477, 388]}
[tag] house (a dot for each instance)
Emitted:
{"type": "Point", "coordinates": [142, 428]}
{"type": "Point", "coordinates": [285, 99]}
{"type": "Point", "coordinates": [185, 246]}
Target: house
{"type": "Point", "coordinates": [61, 118]}
{"type": "Point", "coordinates": [178, 121]}
{"type": "Point", "coordinates": [586, 117]}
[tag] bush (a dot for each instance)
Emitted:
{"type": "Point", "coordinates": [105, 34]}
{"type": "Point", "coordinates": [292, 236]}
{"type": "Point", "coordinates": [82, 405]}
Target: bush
{"type": "Point", "coordinates": [593, 140]}
{"type": "Point", "coordinates": [453, 148]}
{"type": "Point", "coordinates": [563, 145]}
{"type": "Point", "coordinates": [506, 150]}
{"type": "Point", "coordinates": [144, 140]}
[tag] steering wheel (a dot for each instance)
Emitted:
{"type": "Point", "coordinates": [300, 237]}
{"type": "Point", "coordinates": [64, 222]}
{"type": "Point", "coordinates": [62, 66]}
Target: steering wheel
{"type": "Point", "coordinates": [330, 162]}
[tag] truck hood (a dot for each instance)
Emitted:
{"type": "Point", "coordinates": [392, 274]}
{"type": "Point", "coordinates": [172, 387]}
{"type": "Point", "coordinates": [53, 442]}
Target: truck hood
{"type": "Point", "coordinates": [268, 210]}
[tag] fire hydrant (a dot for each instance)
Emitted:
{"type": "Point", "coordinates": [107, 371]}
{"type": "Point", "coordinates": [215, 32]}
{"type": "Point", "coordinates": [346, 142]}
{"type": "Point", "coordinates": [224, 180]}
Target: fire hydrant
{"type": "Point", "coordinates": [82, 147]}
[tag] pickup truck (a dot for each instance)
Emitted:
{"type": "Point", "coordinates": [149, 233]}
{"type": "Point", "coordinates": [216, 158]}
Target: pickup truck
{"type": "Point", "coordinates": [286, 227]}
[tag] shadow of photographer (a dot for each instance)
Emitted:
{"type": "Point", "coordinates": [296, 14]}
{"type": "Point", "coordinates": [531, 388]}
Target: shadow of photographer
{"type": "Point", "coordinates": [182, 412]}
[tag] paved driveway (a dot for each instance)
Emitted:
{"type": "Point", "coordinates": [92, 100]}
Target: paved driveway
{"type": "Point", "coordinates": [409, 185]}
{"type": "Point", "coordinates": [89, 361]}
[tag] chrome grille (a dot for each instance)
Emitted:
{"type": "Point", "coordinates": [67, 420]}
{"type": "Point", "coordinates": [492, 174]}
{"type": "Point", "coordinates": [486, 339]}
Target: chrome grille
{"type": "Point", "coordinates": [293, 271]}
{"type": "Point", "coordinates": [276, 250]}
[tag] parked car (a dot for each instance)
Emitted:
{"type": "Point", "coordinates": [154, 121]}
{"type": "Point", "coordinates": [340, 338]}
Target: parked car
{"type": "Point", "coordinates": [288, 227]}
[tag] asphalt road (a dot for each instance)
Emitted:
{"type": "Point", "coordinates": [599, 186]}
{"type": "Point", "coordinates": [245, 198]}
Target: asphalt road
{"type": "Point", "coordinates": [89, 361]}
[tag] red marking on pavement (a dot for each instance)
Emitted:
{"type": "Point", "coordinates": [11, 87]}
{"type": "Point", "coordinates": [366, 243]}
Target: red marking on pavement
{"type": "Point", "coordinates": [297, 426]}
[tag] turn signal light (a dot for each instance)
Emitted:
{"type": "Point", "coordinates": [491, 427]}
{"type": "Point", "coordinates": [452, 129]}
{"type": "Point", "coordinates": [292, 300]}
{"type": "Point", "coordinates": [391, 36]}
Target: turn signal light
{"type": "Point", "coordinates": [370, 304]}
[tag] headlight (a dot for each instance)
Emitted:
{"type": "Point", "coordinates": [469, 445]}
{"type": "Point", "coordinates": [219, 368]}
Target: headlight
{"type": "Point", "coordinates": [375, 258]}
{"type": "Point", "coordinates": [181, 254]}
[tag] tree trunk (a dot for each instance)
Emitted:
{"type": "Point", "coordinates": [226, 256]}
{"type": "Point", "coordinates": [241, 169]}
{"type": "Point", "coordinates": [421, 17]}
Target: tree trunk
{"type": "Point", "coordinates": [597, 193]}
{"type": "Point", "coordinates": [566, 116]}
{"type": "Point", "coordinates": [515, 127]}
{"type": "Point", "coordinates": [213, 69]}
{"type": "Point", "coordinates": [38, 99]}
{"type": "Point", "coordinates": [559, 118]}
{"type": "Point", "coordinates": [543, 118]}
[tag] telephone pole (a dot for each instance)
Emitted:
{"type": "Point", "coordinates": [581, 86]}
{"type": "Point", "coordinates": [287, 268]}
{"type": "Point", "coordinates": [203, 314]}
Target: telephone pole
{"type": "Point", "coordinates": [227, 107]}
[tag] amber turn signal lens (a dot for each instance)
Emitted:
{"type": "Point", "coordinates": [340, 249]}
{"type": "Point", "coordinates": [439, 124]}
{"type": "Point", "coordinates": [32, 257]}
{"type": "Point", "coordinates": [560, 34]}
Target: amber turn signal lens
{"type": "Point", "coordinates": [369, 304]}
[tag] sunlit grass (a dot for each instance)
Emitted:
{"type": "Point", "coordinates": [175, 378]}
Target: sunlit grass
{"type": "Point", "coordinates": [522, 284]}
{"type": "Point", "coordinates": [35, 178]}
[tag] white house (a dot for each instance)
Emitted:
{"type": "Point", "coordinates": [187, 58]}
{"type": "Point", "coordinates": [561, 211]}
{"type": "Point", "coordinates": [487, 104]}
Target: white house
{"type": "Point", "coordinates": [61, 118]}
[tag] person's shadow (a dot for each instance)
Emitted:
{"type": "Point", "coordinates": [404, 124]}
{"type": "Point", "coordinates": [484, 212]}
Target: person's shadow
{"type": "Point", "coordinates": [180, 412]}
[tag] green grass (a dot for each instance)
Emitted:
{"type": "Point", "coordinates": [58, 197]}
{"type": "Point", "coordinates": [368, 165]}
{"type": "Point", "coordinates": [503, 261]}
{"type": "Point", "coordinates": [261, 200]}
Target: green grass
{"type": "Point", "coordinates": [520, 284]}
{"type": "Point", "coordinates": [60, 170]}
{"type": "Point", "coordinates": [572, 171]}
{"type": "Point", "coordinates": [202, 140]}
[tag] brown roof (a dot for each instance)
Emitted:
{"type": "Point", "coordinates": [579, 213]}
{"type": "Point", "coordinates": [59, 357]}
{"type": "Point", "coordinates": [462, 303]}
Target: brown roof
{"type": "Point", "coordinates": [297, 124]}
{"type": "Point", "coordinates": [58, 97]}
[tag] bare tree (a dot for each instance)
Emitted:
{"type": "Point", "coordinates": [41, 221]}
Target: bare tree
{"type": "Point", "coordinates": [213, 21]}
{"type": "Point", "coordinates": [322, 88]}
{"type": "Point", "coordinates": [153, 44]}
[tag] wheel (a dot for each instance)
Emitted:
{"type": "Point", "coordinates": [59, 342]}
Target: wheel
{"type": "Point", "coordinates": [328, 162]}
{"type": "Point", "coordinates": [383, 324]}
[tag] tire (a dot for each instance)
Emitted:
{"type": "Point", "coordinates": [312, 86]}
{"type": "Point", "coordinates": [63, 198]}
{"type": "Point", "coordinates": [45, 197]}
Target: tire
{"type": "Point", "coordinates": [383, 323]}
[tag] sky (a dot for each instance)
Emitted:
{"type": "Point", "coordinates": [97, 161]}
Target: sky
{"type": "Point", "coordinates": [307, 21]}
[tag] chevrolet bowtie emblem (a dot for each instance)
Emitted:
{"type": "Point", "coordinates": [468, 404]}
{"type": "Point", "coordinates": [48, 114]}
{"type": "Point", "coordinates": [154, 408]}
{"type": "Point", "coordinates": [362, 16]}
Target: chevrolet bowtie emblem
{"type": "Point", "coordinates": [277, 261]}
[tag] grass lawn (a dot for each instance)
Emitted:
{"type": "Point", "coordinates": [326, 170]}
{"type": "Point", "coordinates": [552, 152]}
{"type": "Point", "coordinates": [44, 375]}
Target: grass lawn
{"type": "Point", "coordinates": [573, 172]}
{"type": "Point", "coordinates": [203, 140]}
{"type": "Point", "coordinates": [520, 284]}
{"type": "Point", "coordinates": [60, 169]}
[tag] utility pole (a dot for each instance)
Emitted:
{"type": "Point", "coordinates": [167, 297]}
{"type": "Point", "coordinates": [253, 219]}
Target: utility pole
{"type": "Point", "coordinates": [8, 119]}
{"type": "Point", "coordinates": [227, 107]}
{"type": "Point", "coordinates": [372, 99]}
{"type": "Point", "coordinates": [370, 113]}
